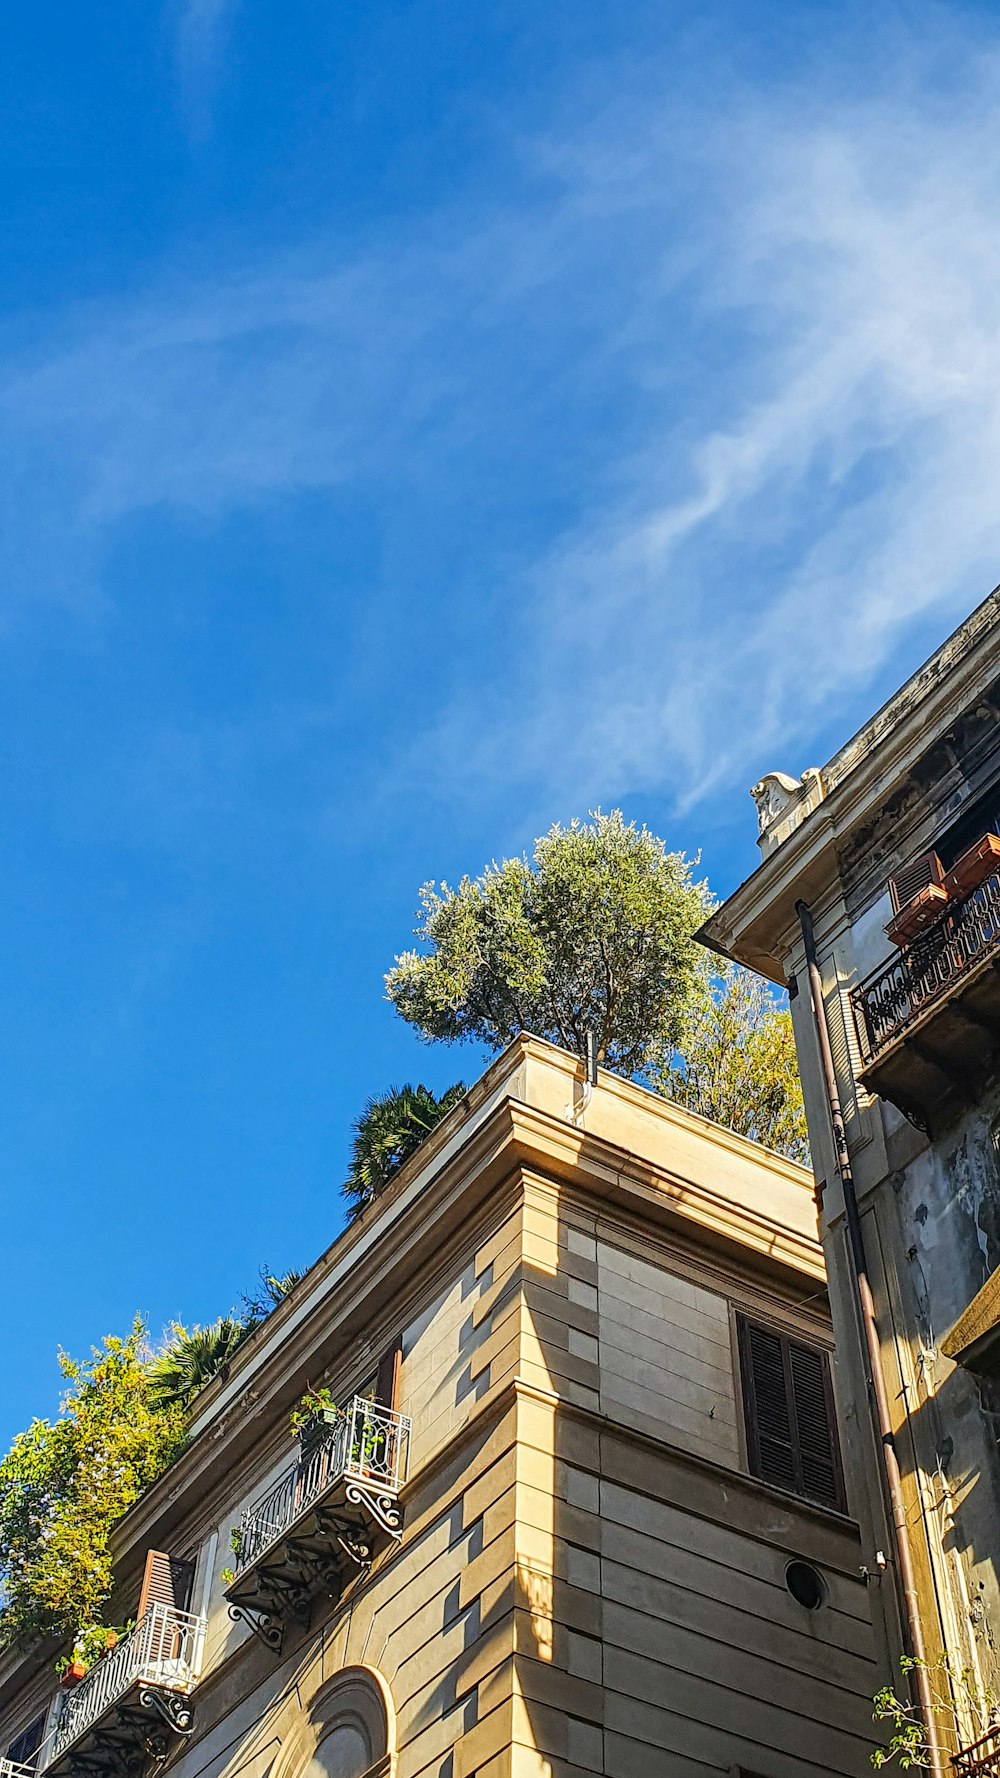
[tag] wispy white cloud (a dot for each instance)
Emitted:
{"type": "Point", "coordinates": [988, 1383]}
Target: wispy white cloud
{"type": "Point", "coordinates": [830, 481]}
{"type": "Point", "coordinates": [794, 321]}
{"type": "Point", "coordinates": [843, 488]}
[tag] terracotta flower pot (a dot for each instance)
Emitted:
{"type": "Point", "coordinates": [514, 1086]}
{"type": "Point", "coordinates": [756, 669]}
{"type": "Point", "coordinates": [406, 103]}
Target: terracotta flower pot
{"type": "Point", "coordinates": [73, 1674]}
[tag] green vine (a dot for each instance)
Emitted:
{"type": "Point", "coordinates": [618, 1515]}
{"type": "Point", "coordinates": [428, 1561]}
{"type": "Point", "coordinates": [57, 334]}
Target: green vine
{"type": "Point", "coordinates": [228, 1575]}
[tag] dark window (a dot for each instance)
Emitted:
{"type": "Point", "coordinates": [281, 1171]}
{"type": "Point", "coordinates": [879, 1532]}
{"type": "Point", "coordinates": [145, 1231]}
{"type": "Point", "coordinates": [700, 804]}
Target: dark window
{"type": "Point", "coordinates": [387, 1379]}
{"type": "Point", "coordinates": [982, 817]}
{"type": "Point", "coordinates": [790, 1422]}
{"type": "Point", "coordinates": [23, 1750]}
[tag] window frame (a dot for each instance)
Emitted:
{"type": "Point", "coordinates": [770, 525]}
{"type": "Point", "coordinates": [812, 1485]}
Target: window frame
{"type": "Point", "coordinates": [751, 1432]}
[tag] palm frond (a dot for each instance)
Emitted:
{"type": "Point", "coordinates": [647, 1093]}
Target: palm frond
{"type": "Point", "coordinates": [389, 1129]}
{"type": "Point", "coordinates": [270, 1292]}
{"type": "Point", "coordinates": [192, 1358]}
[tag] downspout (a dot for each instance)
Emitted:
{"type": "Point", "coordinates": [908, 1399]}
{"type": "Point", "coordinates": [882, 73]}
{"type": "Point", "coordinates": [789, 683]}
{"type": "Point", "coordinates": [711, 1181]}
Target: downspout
{"type": "Point", "coordinates": [877, 1397]}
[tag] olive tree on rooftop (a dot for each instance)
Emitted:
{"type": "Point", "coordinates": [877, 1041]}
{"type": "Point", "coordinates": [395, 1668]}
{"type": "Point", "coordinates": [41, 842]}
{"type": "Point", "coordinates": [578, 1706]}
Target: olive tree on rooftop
{"type": "Point", "coordinates": [592, 933]}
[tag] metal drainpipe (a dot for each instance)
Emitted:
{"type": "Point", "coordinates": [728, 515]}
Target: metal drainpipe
{"type": "Point", "coordinates": [878, 1399]}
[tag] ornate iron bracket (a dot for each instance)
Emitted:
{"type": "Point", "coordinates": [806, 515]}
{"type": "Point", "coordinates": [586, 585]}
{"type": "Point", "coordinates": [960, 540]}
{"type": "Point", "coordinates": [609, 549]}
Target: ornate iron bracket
{"type": "Point", "coordinates": [266, 1628]}
{"type": "Point", "coordinates": [355, 1549]}
{"type": "Point", "coordinates": [347, 1536]}
{"type": "Point", "coordinates": [381, 1506]}
{"type": "Point", "coordinates": [174, 1707]}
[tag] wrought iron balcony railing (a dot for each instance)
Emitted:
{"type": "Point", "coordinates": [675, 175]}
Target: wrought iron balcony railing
{"type": "Point", "coordinates": [982, 1759]}
{"type": "Point", "coordinates": [890, 1000]}
{"type": "Point", "coordinates": [320, 1514]}
{"type": "Point", "coordinates": [367, 1447]}
{"type": "Point", "coordinates": [11, 1768]}
{"type": "Point", "coordinates": [158, 1661]}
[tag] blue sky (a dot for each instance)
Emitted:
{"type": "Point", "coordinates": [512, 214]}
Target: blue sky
{"type": "Point", "coordinates": [421, 423]}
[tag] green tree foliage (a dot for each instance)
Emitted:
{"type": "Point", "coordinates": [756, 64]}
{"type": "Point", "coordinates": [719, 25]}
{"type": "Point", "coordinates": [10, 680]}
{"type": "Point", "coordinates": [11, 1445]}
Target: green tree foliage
{"type": "Point", "coordinates": [959, 1706]}
{"type": "Point", "coordinates": [65, 1484]}
{"type": "Point", "coordinates": [391, 1128]}
{"type": "Point", "coordinates": [737, 1066]}
{"type": "Point", "coordinates": [594, 933]}
{"type": "Point", "coordinates": [192, 1358]}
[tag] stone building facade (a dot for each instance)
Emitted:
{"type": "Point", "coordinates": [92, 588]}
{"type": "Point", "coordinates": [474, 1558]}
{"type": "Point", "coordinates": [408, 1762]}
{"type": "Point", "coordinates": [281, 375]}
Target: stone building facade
{"type": "Point", "coordinates": [888, 861]}
{"type": "Point", "coordinates": [585, 1513]}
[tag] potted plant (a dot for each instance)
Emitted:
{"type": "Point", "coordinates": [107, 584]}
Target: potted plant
{"type": "Point", "coordinates": [312, 1419]}
{"type": "Point", "coordinates": [71, 1670]}
{"type": "Point", "coordinates": [91, 1644]}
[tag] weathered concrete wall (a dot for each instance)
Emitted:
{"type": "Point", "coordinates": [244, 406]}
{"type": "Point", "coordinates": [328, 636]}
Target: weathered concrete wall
{"type": "Point", "coordinates": [931, 1212]}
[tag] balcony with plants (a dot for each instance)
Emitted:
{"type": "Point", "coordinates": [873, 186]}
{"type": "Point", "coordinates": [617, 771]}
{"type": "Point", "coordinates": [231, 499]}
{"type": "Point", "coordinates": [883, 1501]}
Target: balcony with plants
{"type": "Point", "coordinates": [324, 1514]}
{"type": "Point", "coordinates": [126, 1694]}
{"type": "Point", "coordinates": [928, 1019]}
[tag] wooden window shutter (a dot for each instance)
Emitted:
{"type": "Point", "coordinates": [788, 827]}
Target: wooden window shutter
{"type": "Point", "coordinates": [23, 1750]}
{"type": "Point", "coordinates": [387, 1381]}
{"type": "Point", "coordinates": [790, 1421]}
{"type": "Point", "coordinates": [166, 1581]}
{"type": "Point", "coordinates": [908, 881]}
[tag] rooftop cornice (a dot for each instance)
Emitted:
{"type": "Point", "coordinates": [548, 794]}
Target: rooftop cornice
{"type": "Point", "coordinates": [667, 1198]}
{"type": "Point", "coordinates": [943, 664]}
{"type": "Point", "coordinates": [752, 923]}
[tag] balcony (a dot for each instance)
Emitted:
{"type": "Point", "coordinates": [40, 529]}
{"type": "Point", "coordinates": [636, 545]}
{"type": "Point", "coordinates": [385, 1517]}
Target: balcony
{"type": "Point", "coordinates": [321, 1515]}
{"type": "Point", "coordinates": [982, 1759]}
{"type": "Point", "coordinates": [929, 1019]}
{"type": "Point", "coordinates": [132, 1701]}
{"type": "Point", "coordinates": [11, 1768]}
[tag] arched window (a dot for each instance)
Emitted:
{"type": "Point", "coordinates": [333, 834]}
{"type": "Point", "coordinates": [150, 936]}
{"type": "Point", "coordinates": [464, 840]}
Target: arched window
{"type": "Point", "coordinates": [345, 1752]}
{"type": "Point", "coordinates": [348, 1730]}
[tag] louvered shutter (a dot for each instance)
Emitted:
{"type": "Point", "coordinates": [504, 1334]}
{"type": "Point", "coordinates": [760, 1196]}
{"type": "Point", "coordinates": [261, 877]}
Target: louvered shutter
{"type": "Point", "coordinates": [790, 1422]}
{"type": "Point", "coordinates": [911, 878]}
{"type": "Point", "coordinates": [23, 1750]}
{"type": "Point", "coordinates": [166, 1581]}
{"type": "Point", "coordinates": [814, 1419]}
{"type": "Point", "coordinates": [768, 1409]}
{"type": "Point", "coordinates": [387, 1380]}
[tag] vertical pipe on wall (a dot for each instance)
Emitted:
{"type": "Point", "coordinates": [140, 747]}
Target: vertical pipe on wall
{"type": "Point", "coordinates": [877, 1396]}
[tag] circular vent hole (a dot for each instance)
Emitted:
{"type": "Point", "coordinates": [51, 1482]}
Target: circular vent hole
{"type": "Point", "coordinates": [805, 1583]}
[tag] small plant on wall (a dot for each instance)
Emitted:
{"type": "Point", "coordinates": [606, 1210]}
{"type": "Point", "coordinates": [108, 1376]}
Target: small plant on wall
{"type": "Point", "coordinates": [958, 1701]}
{"type": "Point", "coordinates": [228, 1575]}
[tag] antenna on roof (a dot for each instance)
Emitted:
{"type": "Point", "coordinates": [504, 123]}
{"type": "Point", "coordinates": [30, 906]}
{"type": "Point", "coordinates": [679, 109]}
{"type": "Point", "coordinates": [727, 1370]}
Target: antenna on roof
{"type": "Point", "coordinates": [591, 1057]}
